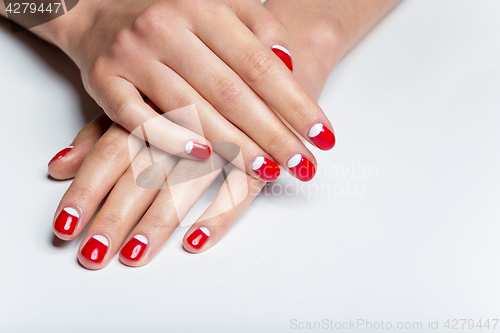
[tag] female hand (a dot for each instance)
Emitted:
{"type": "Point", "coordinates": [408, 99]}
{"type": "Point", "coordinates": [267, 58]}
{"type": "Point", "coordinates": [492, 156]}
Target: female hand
{"type": "Point", "coordinates": [158, 195]}
{"type": "Point", "coordinates": [120, 212]}
{"type": "Point", "coordinates": [203, 53]}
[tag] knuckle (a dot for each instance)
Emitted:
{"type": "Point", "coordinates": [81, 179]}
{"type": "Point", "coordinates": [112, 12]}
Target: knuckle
{"type": "Point", "coordinates": [227, 91]}
{"type": "Point", "coordinates": [84, 193]}
{"type": "Point", "coordinates": [159, 222]}
{"type": "Point", "coordinates": [274, 27]}
{"type": "Point", "coordinates": [119, 108]}
{"type": "Point", "coordinates": [277, 142]}
{"type": "Point", "coordinates": [93, 77]}
{"type": "Point", "coordinates": [151, 19]}
{"type": "Point", "coordinates": [110, 220]}
{"type": "Point", "coordinates": [222, 221]}
{"type": "Point", "coordinates": [112, 147]}
{"type": "Point", "coordinates": [300, 109]}
{"type": "Point", "coordinates": [259, 65]}
{"type": "Point", "coordinates": [193, 170]}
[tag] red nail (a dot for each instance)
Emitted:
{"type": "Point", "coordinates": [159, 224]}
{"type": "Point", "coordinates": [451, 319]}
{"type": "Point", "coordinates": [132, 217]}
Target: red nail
{"type": "Point", "coordinates": [60, 154]}
{"type": "Point", "coordinates": [135, 248]}
{"type": "Point", "coordinates": [66, 221]}
{"type": "Point", "coordinates": [303, 169]}
{"type": "Point", "coordinates": [266, 169]}
{"type": "Point", "coordinates": [198, 150]}
{"type": "Point", "coordinates": [95, 249]}
{"type": "Point", "coordinates": [322, 137]}
{"type": "Point", "coordinates": [199, 237]}
{"type": "Point", "coordinates": [284, 55]}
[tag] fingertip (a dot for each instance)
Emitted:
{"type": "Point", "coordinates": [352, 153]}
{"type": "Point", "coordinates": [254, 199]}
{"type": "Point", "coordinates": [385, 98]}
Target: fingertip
{"type": "Point", "coordinates": [196, 241]}
{"type": "Point", "coordinates": [65, 164]}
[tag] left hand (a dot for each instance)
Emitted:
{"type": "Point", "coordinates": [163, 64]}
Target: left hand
{"type": "Point", "coordinates": [100, 159]}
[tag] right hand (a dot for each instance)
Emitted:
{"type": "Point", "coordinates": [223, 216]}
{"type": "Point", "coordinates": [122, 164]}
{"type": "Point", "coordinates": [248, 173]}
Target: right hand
{"type": "Point", "coordinates": [203, 53]}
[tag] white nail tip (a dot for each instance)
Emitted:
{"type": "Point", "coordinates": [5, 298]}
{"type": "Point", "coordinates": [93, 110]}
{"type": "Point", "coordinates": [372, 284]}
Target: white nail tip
{"type": "Point", "coordinates": [258, 163]}
{"type": "Point", "coordinates": [189, 147]}
{"type": "Point", "coordinates": [101, 239]}
{"type": "Point", "coordinates": [71, 211]}
{"type": "Point", "coordinates": [281, 48]}
{"type": "Point", "coordinates": [205, 231]}
{"type": "Point", "coordinates": [141, 239]}
{"type": "Point", "coordinates": [294, 161]}
{"type": "Point", "coordinates": [315, 130]}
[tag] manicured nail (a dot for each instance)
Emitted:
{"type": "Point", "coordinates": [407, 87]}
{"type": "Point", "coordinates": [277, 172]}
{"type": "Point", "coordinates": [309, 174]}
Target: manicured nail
{"type": "Point", "coordinates": [266, 169]}
{"type": "Point", "coordinates": [301, 167]}
{"type": "Point", "coordinates": [135, 248]}
{"type": "Point", "coordinates": [198, 150]}
{"type": "Point", "coordinates": [199, 237]}
{"type": "Point", "coordinates": [284, 55]}
{"type": "Point", "coordinates": [66, 221]}
{"type": "Point", "coordinates": [61, 154]}
{"type": "Point", "coordinates": [95, 249]}
{"type": "Point", "coordinates": [322, 137]}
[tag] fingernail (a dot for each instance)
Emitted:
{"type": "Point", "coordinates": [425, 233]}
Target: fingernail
{"type": "Point", "coordinates": [322, 137]}
{"type": "Point", "coordinates": [60, 154]}
{"type": "Point", "coordinates": [266, 169]}
{"type": "Point", "coordinates": [198, 150]}
{"type": "Point", "coordinates": [199, 237]}
{"type": "Point", "coordinates": [66, 221]}
{"type": "Point", "coordinates": [135, 248]}
{"type": "Point", "coordinates": [284, 55]}
{"type": "Point", "coordinates": [95, 249]}
{"type": "Point", "coordinates": [300, 166]}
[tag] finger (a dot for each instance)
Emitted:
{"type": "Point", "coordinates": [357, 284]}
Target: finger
{"type": "Point", "coordinates": [169, 91]}
{"type": "Point", "coordinates": [104, 165]}
{"type": "Point", "coordinates": [186, 183]}
{"type": "Point", "coordinates": [223, 211]}
{"type": "Point", "coordinates": [267, 28]}
{"type": "Point", "coordinates": [265, 73]}
{"type": "Point", "coordinates": [232, 97]}
{"type": "Point", "coordinates": [125, 106]}
{"type": "Point", "coordinates": [124, 206]}
{"type": "Point", "coordinates": [66, 163]}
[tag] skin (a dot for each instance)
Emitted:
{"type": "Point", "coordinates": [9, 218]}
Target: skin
{"type": "Point", "coordinates": [100, 158]}
{"type": "Point", "coordinates": [127, 49]}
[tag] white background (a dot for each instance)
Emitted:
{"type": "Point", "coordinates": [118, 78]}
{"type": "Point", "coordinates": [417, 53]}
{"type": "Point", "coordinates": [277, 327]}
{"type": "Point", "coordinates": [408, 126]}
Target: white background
{"type": "Point", "coordinates": [418, 101]}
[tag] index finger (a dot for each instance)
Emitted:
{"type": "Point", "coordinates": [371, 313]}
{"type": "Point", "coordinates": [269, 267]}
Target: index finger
{"type": "Point", "coordinates": [266, 74]}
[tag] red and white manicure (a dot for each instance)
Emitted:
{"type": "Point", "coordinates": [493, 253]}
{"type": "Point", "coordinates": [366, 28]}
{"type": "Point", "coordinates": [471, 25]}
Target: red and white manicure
{"type": "Point", "coordinates": [300, 166]}
{"type": "Point", "coordinates": [322, 137]}
{"type": "Point", "coordinates": [199, 237]}
{"type": "Point", "coordinates": [66, 221]}
{"type": "Point", "coordinates": [60, 154]}
{"type": "Point", "coordinates": [266, 169]}
{"type": "Point", "coordinates": [95, 249]}
{"type": "Point", "coordinates": [135, 248]}
{"type": "Point", "coordinates": [284, 55]}
{"type": "Point", "coordinates": [198, 150]}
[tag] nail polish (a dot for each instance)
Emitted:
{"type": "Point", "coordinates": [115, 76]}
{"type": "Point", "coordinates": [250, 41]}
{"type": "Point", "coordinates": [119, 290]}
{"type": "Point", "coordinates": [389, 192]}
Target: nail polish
{"type": "Point", "coordinates": [300, 166]}
{"type": "Point", "coordinates": [66, 221]}
{"type": "Point", "coordinates": [135, 248]}
{"type": "Point", "coordinates": [266, 169]}
{"type": "Point", "coordinates": [95, 249]}
{"type": "Point", "coordinates": [199, 237]}
{"type": "Point", "coordinates": [198, 150]}
{"type": "Point", "coordinates": [284, 55]}
{"type": "Point", "coordinates": [322, 137]}
{"type": "Point", "coordinates": [60, 154]}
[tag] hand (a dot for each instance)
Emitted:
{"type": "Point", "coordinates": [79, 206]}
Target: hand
{"type": "Point", "coordinates": [202, 53]}
{"type": "Point", "coordinates": [101, 155]}
{"type": "Point", "coordinates": [119, 214]}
